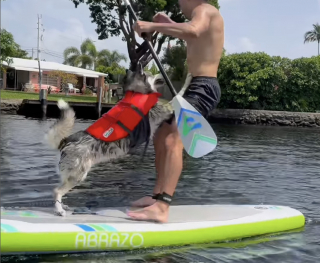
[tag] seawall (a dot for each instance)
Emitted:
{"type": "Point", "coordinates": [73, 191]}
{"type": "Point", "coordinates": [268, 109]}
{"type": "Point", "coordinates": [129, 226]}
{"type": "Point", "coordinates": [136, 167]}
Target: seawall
{"type": "Point", "coordinates": [234, 116]}
{"type": "Point", "coordinates": [263, 117]}
{"type": "Point", "coordinates": [32, 108]}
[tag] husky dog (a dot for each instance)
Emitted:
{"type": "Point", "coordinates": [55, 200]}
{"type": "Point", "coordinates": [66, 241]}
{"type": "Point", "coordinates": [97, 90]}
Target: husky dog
{"type": "Point", "coordinates": [80, 151]}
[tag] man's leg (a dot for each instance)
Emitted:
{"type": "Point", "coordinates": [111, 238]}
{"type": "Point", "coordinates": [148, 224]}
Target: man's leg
{"type": "Point", "coordinates": [158, 143]}
{"type": "Point", "coordinates": [160, 152]}
{"type": "Point", "coordinates": [172, 167]}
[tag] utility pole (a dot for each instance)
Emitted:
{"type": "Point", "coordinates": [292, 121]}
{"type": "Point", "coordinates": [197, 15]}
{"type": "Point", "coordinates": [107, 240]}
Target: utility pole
{"type": "Point", "coordinates": [32, 53]}
{"type": "Point", "coordinates": [1, 73]}
{"type": "Point", "coordinates": [42, 92]}
{"type": "Point", "coordinates": [38, 54]}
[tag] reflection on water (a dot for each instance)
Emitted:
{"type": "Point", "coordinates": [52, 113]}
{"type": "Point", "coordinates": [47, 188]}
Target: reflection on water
{"type": "Point", "coordinates": [251, 165]}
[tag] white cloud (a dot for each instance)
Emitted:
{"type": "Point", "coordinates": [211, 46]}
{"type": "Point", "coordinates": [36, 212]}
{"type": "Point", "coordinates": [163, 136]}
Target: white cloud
{"type": "Point", "coordinates": [247, 45]}
{"type": "Point", "coordinates": [238, 45]}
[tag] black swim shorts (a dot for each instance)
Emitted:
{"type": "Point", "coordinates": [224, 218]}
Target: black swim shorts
{"type": "Point", "coordinates": [203, 93]}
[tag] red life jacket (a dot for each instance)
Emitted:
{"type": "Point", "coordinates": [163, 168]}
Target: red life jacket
{"type": "Point", "coordinates": [121, 120]}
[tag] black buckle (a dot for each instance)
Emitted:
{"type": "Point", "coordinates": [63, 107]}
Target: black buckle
{"type": "Point", "coordinates": [155, 196]}
{"type": "Point", "coordinates": [164, 197]}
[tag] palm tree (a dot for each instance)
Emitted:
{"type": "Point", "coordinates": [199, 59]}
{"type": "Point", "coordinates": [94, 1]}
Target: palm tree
{"type": "Point", "coordinates": [83, 58]}
{"type": "Point", "coordinates": [313, 36]}
{"type": "Point", "coordinates": [107, 58]}
{"type": "Point", "coordinates": [89, 58]}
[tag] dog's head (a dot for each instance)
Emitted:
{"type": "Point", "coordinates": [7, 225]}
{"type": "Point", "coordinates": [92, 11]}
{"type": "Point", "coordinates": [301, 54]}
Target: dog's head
{"type": "Point", "coordinates": [142, 82]}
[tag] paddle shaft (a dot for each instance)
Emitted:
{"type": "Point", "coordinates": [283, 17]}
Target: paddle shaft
{"type": "Point", "coordinates": [155, 57]}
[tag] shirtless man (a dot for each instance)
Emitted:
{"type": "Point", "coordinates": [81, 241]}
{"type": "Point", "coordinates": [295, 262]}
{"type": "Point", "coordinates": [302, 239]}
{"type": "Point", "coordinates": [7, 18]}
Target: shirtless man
{"type": "Point", "coordinates": [204, 35]}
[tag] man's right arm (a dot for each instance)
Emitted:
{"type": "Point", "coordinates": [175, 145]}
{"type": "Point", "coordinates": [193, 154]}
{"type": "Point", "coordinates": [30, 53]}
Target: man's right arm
{"type": "Point", "coordinates": [162, 18]}
{"type": "Point", "coordinates": [199, 24]}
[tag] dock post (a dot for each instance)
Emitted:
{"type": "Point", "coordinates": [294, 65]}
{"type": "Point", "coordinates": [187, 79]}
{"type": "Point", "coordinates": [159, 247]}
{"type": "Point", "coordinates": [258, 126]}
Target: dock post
{"type": "Point", "coordinates": [106, 94]}
{"type": "Point", "coordinates": [99, 101]}
{"type": "Point", "coordinates": [109, 95]}
{"type": "Point", "coordinates": [43, 102]}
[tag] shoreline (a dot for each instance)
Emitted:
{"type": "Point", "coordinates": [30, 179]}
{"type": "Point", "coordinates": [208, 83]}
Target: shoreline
{"type": "Point", "coordinates": [233, 116]}
{"type": "Point", "coordinates": [266, 117]}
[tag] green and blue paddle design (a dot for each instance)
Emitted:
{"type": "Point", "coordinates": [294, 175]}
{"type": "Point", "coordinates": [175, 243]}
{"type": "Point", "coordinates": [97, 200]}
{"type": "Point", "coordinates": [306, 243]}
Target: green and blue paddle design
{"type": "Point", "coordinates": [196, 134]}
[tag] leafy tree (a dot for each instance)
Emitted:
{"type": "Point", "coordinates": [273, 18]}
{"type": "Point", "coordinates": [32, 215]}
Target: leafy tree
{"type": "Point", "coordinates": [88, 57]}
{"type": "Point", "coordinates": [259, 81]}
{"type": "Point", "coordinates": [153, 69]}
{"type": "Point", "coordinates": [9, 48]}
{"type": "Point", "coordinates": [112, 19]}
{"type": "Point", "coordinates": [313, 36]}
{"type": "Point", "coordinates": [114, 71]}
{"type": "Point", "coordinates": [301, 89]}
{"type": "Point", "coordinates": [248, 80]}
{"type": "Point", "coordinates": [175, 58]}
{"type": "Point", "coordinates": [108, 58]}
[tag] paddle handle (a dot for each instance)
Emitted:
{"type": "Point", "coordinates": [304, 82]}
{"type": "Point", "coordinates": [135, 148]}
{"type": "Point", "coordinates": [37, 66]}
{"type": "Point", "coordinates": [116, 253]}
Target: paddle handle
{"type": "Point", "coordinates": [155, 57]}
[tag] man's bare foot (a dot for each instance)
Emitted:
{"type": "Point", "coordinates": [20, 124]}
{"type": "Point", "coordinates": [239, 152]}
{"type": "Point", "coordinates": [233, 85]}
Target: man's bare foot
{"type": "Point", "coordinates": [143, 202]}
{"type": "Point", "coordinates": [158, 212]}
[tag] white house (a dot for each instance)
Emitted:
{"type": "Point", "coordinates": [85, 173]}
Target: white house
{"type": "Point", "coordinates": [23, 71]}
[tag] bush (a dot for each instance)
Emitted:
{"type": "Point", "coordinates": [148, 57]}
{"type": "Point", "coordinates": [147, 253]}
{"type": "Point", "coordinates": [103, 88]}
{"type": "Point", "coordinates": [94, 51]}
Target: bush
{"type": "Point", "coordinates": [87, 91]}
{"type": "Point", "coordinates": [259, 81]}
{"type": "Point", "coordinates": [301, 91]}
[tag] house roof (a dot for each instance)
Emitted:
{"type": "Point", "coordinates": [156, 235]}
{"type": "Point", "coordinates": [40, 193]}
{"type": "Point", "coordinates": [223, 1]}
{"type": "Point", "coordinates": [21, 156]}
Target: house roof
{"type": "Point", "coordinates": [32, 65]}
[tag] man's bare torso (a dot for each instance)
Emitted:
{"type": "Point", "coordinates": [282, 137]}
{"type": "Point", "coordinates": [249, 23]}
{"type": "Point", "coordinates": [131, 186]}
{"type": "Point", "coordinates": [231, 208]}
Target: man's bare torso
{"type": "Point", "coordinates": [204, 53]}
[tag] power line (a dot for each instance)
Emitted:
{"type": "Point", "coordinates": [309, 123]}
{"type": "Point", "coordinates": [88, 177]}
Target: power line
{"type": "Point", "coordinates": [53, 55]}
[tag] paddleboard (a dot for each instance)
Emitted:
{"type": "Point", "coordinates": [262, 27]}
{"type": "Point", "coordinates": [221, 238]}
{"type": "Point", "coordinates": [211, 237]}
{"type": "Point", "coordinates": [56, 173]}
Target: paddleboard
{"type": "Point", "coordinates": [38, 230]}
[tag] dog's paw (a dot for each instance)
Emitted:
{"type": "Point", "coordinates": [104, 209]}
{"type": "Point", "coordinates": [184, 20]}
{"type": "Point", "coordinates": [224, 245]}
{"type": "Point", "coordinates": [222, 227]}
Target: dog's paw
{"type": "Point", "coordinates": [60, 212]}
{"type": "Point", "coordinates": [59, 209]}
{"type": "Point", "coordinates": [65, 207]}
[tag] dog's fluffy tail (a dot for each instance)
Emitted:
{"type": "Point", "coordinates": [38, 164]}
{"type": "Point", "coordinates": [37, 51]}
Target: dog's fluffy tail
{"type": "Point", "coordinates": [63, 127]}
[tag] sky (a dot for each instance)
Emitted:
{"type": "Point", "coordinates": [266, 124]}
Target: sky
{"type": "Point", "coordinates": [276, 27]}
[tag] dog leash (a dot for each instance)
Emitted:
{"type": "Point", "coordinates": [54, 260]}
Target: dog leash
{"type": "Point", "coordinates": [145, 149]}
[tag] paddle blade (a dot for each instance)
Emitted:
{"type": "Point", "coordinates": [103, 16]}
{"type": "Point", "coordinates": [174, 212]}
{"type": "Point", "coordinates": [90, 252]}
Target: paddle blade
{"type": "Point", "coordinates": [196, 133]}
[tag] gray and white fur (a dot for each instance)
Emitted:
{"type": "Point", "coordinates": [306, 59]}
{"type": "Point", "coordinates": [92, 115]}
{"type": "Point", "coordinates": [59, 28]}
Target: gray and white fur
{"type": "Point", "coordinates": [80, 151]}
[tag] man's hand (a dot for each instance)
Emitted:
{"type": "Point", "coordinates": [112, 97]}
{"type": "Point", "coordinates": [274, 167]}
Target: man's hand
{"type": "Point", "coordinates": [143, 27]}
{"type": "Point", "coordinates": [162, 18]}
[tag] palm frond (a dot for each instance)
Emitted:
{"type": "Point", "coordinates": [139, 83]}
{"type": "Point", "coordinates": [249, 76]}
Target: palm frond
{"type": "Point", "coordinates": [313, 35]}
{"type": "Point", "coordinates": [117, 57]}
{"type": "Point", "coordinates": [310, 36]}
{"type": "Point", "coordinates": [72, 60]}
{"type": "Point", "coordinates": [70, 50]}
{"type": "Point", "coordinates": [316, 27]}
{"type": "Point", "coordinates": [104, 53]}
{"type": "Point", "coordinates": [88, 47]}
{"type": "Point", "coordinates": [317, 30]}
{"type": "Point", "coordinates": [84, 61]}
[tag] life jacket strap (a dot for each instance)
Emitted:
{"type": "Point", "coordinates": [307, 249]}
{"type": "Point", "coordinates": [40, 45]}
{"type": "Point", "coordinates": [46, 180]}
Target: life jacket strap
{"type": "Point", "coordinates": [137, 111]}
{"type": "Point", "coordinates": [124, 127]}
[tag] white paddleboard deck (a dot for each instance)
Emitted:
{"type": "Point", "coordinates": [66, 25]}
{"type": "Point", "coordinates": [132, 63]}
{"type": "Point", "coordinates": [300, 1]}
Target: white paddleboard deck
{"type": "Point", "coordinates": [112, 229]}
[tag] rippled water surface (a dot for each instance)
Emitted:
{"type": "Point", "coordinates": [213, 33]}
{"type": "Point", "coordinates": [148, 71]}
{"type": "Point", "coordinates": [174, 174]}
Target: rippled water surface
{"type": "Point", "coordinates": [251, 165]}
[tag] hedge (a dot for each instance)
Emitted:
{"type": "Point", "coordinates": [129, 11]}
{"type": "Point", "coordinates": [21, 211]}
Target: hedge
{"type": "Point", "coordinates": [260, 81]}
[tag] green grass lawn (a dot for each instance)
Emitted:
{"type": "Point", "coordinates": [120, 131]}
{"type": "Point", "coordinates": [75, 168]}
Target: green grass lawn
{"type": "Point", "coordinates": [19, 95]}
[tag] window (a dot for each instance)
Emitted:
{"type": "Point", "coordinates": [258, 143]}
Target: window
{"type": "Point", "coordinates": [49, 81]}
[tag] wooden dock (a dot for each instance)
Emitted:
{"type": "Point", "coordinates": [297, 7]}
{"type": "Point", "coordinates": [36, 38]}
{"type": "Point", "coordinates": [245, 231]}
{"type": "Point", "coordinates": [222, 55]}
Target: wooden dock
{"type": "Point", "coordinates": [71, 103]}
{"type": "Point", "coordinates": [83, 110]}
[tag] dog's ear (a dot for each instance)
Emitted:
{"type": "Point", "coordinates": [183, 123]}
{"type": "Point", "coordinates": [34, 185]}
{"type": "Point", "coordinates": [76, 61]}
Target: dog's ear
{"type": "Point", "coordinates": [129, 73]}
{"type": "Point", "coordinates": [140, 68]}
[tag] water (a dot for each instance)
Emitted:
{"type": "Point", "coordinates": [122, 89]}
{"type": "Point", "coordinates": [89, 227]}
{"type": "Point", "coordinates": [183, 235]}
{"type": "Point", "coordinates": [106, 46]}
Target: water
{"type": "Point", "coordinates": [251, 165]}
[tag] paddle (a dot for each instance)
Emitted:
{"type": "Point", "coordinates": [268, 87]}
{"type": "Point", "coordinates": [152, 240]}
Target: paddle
{"type": "Point", "coordinates": [196, 134]}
